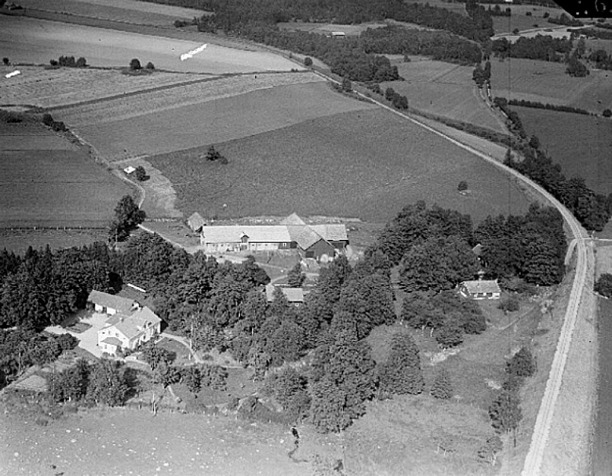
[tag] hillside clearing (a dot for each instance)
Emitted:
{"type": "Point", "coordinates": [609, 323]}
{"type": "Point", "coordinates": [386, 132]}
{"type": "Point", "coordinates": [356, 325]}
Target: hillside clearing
{"type": "Point", "coordinates": [366, 164]}
{"type": "Point", "coordinates": [446, 90]}
{"type": "Point", "coordinates": [547, 82]}
{"type": "Point", "coordinates": [580, 144]}
{"type": "Point", "coordinates": [211, 122]}
{"type": "Point", "coordinates": [37, 41]}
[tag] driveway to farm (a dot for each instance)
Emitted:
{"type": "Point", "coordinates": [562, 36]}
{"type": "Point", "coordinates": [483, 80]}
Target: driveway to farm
{"type": "Point", "coordinates": [88, 339]}
{"type": "Point", "coordinates": [183, 341]}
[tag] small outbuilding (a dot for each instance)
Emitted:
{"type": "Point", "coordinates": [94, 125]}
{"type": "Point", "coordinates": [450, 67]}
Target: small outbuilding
{"type": "Point", "coordinates": [196, 222]}
{"type": "Point", "coordinates": [480, 289]}
{"type": "Point", "coordinates": [294, 295]}
{"type": "Point", "coordinates": [110, 304]}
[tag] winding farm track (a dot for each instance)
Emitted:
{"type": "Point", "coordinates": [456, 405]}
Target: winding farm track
{"type": "Point", "coordinates": [535, 456]}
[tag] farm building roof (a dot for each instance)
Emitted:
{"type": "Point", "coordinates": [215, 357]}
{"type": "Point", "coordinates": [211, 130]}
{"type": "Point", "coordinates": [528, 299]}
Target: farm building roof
{"type": "Point", "coordinates": [303, 235]}
{"type": "Point", "coordinates": [481, 286]}
{"type": "Point", "coordinates": [331, 232]}
{"type": "Point", "coordinates": [293, 219]}
{"type": "Point", "coordinates": [119, 303]}
{"type": "Point", "coordinates": [257, 234]}
{"type": "Point", "coordinates": [112, 341]}
{"type": "Point", "coordinates": [196, 221]}
{"type": "Point", "coordinates": [129, 169]}
{"type": "Point", "coordinates": [292, 294]}
{"type": "Point", "coordinates": [133, 325]}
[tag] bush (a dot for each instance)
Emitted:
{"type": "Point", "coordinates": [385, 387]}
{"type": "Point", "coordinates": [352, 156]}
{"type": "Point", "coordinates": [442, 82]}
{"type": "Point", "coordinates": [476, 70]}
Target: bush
{"type": "Point", "coordinates": [47, 119]}
{"type": "Point", "coordinates": [135, 64]}
{"type": "Point", "coordinates": [442, 387]}
{"type": "Point", "coordinates": [150, 66]}
{"type": "Point", "coordinates": [53, 62]}
{"type": "Point", "coordinates": [81, 62]}
{"type": "Point", "coordinates": [510, 304]}
{"type": "Point", "coordinates": [141, 174]}
{"type": "Point", "coordinates": [59, 126]}
{"type": "Point", "coordinates": [463, 186]}
{"type": "Point", "coordinates": [5, 61]}
{"type": "Point", "coordinates": [67, 61]}
{"type": "Point", "coordinates": [607, 113]}
{"type": "Point", "coordinates": [521, 364]}
{"type": "Point", "coordinates": [308, 61]}
{"type": "Point", "coordinates": [67, 341]}
{"type": "Point", "coordinates": [603, 285]}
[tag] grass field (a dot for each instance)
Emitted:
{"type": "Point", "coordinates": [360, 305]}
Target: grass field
{"type": "Point", "coordinates": [446, 90]}
{"type": "Point", "coordinates": [129, 11]}
{"type": "Point", "coordinates": [520, 20]}
{"type": "Point", "coordinates": [327, 28]}
{"type": "Point", "coordinates": [49, 88]}
{"type": "Point", "coordinates": [27, 40]}
{"type": "Point", "coordinates": [547, 83]}
{"type": "Point", "coordinates": [580, 144]}
{"type": "Point", "coordinates": [43, 186]}
{"type": "Point", "coordinates": [202, 123]}
{"type": "Point", "coordinates": [365, 164]}
{"type": "Point", "coordinates": [19, 240]}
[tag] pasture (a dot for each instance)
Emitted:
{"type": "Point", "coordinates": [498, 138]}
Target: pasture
{"type": "Point", "coordinates": [164, 126]}
{"type": "Point", "coordinates": [365, 164]}
{"type": "Point", "coordinates": [546, 82]}
{"type": "Point", "coordinates": [519, 18]}
{"type": "Point", "coordinates": [446, 90]}
{"type": "Point", "coordinates": [125, 11]}
{"type": "Point", "coordinates": [327, 28]}
{"type": "Point", "coordinates": [48, 88]}
{"type": "Point", "coordinates": [580, 144]}
{"type": "Point", "coordinates": [51, 186]}
{"type": "Point", "coordinates": [28, 40]}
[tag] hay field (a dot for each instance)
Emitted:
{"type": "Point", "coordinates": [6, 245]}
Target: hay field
{"type": "Point", "coordinates": [51, 186]}
{"type": "Point", "coordinates": [211, 122]}
{"type": "Point", "coordinates": [28, 40]}
{"type": "Point", "coordinates": [446, 90]}
{"type": "Point", "coordinates": [50, 88]}
{"type": "Point", "coordinates": [580, 144]}
{"type": "Point", "coordinates": [520, 20]}
{"type": "Point", "coordinates": [327, 28]}
{"type": "Point", "coordinates": [127, 11]}
{"type": "Point", "coordinates": [547, 83]}
{"type": "Point", "coordinates": [366, 164]}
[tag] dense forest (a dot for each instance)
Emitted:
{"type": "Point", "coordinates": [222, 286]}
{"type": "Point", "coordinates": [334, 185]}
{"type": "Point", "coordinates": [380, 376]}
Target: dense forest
{"type": "Point", "coordinates": [540, 47]}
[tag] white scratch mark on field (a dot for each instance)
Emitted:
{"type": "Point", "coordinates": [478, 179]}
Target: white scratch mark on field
{"type": "Point", "coordinates": [192, 53]}
{"type": "Point", "coordinates": [12, 73]}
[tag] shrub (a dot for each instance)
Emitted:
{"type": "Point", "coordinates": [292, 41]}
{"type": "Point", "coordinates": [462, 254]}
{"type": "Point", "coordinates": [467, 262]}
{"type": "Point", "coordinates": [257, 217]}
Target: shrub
{"type": "Point", "coordinates": [442, 387]}
{"type": "Point", "coordinates": [5, 61]}
{"type": "Point", "coordinates": [59, 126]}
{"type": "Point", "coordinates": [510, 304]}
{"type": "Point", "coordinates": [546, 15]}
{"type": "Point", "coordinates": [607, 113]}
{"type": "Point", "coordinates": [67, 342]}
{"type": "Point", "coordinates": [53, 62]}
{"type": "Point", "coordinates": [603, 285]}
{"type": "Point", "coordinates": [463, 185]}
{"type": "Point", "coordinates": [141, 174]}
{"type": "Point", "coordinates": [81, 62]}
{"type": "Point", "coordinates": [67, 61]}
{"type": "Point", "coordinates": [47, 119]}
{"type": "Point", "coordinates": [308, 61]}
{"type": "Point", "coordinates": [150, 66]}
{"type": "Point", "coordinates": [521, 364]}
{"type": "Point", "coordinates": [135, 64]}
{"type": "Point", "coordinates": [347, 86]}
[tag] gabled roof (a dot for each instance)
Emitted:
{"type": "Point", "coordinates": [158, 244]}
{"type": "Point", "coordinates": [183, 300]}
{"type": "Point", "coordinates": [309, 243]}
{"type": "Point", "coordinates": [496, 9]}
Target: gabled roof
{"type": "Point", "coordinates": [133, 325]}
{"type": "Point", "coordinates": [292, 294]}
{"type": "Point", "coordinates": [292, 219]}
{"type": "Point", "coordinates": [481, 286]}
{"type": "Point", "coordinates": [257, 234]}
{"type": "Point", "coordinates": [303, 235]}
{"type": "Point", "coordinates": [195, 221]}
{"type": "Point", "coordinates": [110, 300]}
{"type": "Point", "coordinates": [331, 232]}
{"type": "Point", "coordinates": [112, 341]}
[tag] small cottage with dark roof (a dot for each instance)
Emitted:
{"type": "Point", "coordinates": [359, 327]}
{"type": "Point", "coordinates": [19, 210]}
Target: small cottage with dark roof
{"type": "Point", "coordinates": [110, 303]}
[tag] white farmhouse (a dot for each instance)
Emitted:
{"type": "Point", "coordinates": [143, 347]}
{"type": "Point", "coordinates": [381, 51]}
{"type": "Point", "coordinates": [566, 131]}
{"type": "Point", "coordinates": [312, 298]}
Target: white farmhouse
{"type": "Point", "coordinates": [128, 331]}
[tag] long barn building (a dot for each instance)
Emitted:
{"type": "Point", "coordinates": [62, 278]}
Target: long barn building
{"type": "Point", "coordinates": [312, 241]}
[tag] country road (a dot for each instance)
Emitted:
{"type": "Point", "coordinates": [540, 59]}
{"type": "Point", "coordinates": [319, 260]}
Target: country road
{"type": "Point", "coordinates": [533, 462]}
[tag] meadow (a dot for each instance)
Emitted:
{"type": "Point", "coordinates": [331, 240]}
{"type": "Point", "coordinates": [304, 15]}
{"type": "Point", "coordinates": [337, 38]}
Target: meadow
{"type": "Point", "coordinates": [446, 90]}
{"type": "Point", "coordinates": [546, 82]}
{"type": "Point", "coordinates": [580, 144]}
{"type": "Point", "coordinates": [28, 40]}
{"type": "Point", "coordinates": [204, 123]}
{"type": "Point", "coordinates": [128, 11]}
{"type": "Point", "coordinates": [48, 88]}
{"type": "Point", "coordinates": [519, 18]}
{"type": "Point", "coordinates": [364, 164]}
{"type": "Point", "coordinates": [51, 186]}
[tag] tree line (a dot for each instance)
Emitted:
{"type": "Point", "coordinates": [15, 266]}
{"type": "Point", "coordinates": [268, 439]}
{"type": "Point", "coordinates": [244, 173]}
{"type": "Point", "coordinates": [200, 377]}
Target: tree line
{"type": "Point", "coordinates": [540, 47]}
{"type": "Point", "coordinates": [592, 210]}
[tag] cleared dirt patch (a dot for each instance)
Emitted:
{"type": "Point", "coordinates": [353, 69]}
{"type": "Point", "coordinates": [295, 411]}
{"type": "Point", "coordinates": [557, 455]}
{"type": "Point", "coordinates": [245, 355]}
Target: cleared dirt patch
{"type": "Point", "coordinates": [211, 122]}
{"type": "Point", "coordinates": [580, 144]}
{"type": "Point", "coordinates": [365, 164]}
{"type": "Point", "coordinates": [46, 88]}
{"type": "Point", "coordinates": [37, 41]}
{"type": "Point", "coordinates": [546, 82]}
{"type": "Point", "coordinates": [446, 90]}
